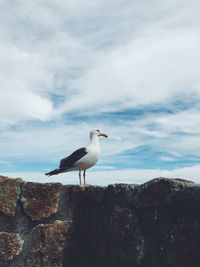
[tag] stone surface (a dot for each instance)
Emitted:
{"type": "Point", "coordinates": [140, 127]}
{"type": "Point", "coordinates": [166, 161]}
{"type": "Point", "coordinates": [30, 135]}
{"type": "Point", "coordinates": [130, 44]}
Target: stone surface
{"type": "Point", "coordinates": [187, 203]}
{"type": "Point", "coordinates": [127, 240]}
{"type": "Point", "coordinates": [156, 224]}
{"type": "Point", "coordinates": [120, 194]}
{"type": "Point", "coordinates": [155, 221]}
{"type": "Point", "coordinates": [40, 200]}
{"type": "Point", "coordinates": [181, 247]}
{"type": "Point", "coordinates": [159, 192]}
{"type": "Point", "coordinates": [47, 244]}
{"type": "Point", "coordinates": [9, 194]}
{"type": "Point", "coordinates": [10, 246]}
{"type": "Point", "coordinates": [89, 242]}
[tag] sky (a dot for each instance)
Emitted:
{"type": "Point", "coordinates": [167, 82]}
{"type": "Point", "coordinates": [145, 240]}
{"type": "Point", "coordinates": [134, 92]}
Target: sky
{"type": "Point", "coordinates": [130, 68]}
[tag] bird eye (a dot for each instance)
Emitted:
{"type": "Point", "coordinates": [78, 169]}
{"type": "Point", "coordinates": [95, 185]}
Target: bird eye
{"type": "Point", "coordinates": [98, 131]}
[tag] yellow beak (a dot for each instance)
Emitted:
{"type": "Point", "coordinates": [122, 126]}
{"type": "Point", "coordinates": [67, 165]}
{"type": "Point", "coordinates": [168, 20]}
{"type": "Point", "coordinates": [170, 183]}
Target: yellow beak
{"type": "Point", "coordinates": [103, 134]}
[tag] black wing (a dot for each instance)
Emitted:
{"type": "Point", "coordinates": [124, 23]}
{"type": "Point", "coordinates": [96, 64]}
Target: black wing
{"type": "Point", "coordinates": [69, 161]}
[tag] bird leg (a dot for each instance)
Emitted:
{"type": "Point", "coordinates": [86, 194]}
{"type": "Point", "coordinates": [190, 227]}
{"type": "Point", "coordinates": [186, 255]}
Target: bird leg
{"type": "Point", "coordinates": [80, 177]}
{"type": "Point", "coordinates": [84, 177]}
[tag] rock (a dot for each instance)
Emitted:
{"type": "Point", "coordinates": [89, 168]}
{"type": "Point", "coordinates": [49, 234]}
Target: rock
{"type": "Point", "coordinates": [155, 221]}
{"type": "Point", "coordinates": [9, 194]}
{"type": "Point", "coordinates": [156, 224]}
{"type": "Point", "coordinates": [40, 200]}
{"type": "Point", "coordinates": [187, 202]}
{"type": "Point", "coordinates": [127, 240]}
{"type": "Point", "coordinates": [181, 246]}
{"type": "Point", "coordinates": [88, 244]}
{"type": "Point", "coordinates": [47, 244]}
{"type": "Point", "coordinates": [158, 192]}
{"type": "Point", "coordinates": [94, 193]}
{"type": "Point", "coordinates": [10, 246]}
{"type": "Point", "coordinates": [120, 194]}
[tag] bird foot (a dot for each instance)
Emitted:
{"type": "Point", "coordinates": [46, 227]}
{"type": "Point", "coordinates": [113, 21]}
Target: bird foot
{"type": "Point", "coordinates": [84, 185]}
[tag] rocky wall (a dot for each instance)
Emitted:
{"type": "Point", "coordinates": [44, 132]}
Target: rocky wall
{"type": "Point", "coordinates": [156, 224]}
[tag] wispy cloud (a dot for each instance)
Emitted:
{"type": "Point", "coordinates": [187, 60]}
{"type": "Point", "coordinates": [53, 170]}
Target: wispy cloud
{"type": "Point", "coordinates": [131, 68]}
{"type": "Point", "coordinates": [134, 176]}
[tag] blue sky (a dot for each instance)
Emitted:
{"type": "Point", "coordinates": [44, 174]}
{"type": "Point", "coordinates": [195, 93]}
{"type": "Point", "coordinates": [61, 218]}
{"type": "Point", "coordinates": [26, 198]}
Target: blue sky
{"type": "Point", "coordinates": [130, 68]}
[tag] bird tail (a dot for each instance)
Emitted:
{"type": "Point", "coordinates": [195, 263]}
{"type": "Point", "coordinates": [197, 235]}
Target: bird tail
{"type": "Point", "coordinates": [54, 172]}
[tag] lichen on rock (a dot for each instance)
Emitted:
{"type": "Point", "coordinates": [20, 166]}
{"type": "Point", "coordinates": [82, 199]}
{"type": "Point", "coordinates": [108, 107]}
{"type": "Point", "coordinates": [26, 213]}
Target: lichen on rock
{"type": "Point", "coordinates": [9, 194]}
{"type": "Point", "coordinates": [40, 200]}
{"type": "Point", "coordinates": [47, 245]}
{"type": "Point", "coordinates": [10, 245]}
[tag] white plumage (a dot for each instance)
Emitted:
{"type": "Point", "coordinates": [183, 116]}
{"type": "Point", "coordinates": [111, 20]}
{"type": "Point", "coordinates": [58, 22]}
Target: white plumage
{"type": "Point", "coordinates": [83, 158]}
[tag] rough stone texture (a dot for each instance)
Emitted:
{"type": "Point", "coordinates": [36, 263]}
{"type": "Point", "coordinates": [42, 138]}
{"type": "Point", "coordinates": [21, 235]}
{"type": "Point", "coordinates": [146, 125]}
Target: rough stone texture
{"type": "Point", "coordinates": [10, 246]}
{"type": "Point", "coordinates": [156, 224]}
{"type": "Point", "coordinates": [159, 192]}
{"type": "Point", "coordinates": [47, 244]}
{"type": "Point", "coordinates": [40, 200]}
{"type": "Point", "coordinates": [89, 243]}
{"type": "Point", "coordinates": [127, 240]}
{"type": "Point", "coordinates": [181, 247]}
{"type": "Point", "coordinates": [9, 193]}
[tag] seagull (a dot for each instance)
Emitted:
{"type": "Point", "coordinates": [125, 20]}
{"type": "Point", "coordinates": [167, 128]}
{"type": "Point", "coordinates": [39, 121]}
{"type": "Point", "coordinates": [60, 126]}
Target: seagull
{"type": "Point", "coordinates": [83, 158]}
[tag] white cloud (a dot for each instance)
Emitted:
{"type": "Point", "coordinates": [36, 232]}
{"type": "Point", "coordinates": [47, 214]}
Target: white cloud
{"type": "Point", "coordinates": [21, 79]}
{"type": "Point", "coordinates": [98, 56]}
{"type": "Point", "coordinates": [55, 140]}
{"type": "Point", "coordinates": [130, 176]}
{"type": "Point", "coordinates": [157, 60]}
{"type": "Point", "coordinates": [147, 71]}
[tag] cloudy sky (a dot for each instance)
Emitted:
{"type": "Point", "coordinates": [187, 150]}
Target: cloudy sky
{"type": "Point", "coordinates": [130, 68]}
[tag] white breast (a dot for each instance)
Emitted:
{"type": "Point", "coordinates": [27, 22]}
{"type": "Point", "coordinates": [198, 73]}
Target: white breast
{"type": "Point", "coordinates": [89, 160]}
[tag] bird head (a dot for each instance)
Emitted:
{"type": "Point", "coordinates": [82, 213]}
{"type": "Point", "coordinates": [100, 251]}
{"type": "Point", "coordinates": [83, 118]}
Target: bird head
{"type": "Point", "coordinates": [98, 133]}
